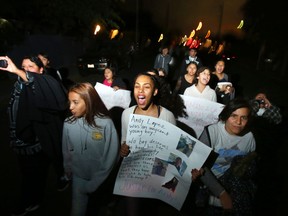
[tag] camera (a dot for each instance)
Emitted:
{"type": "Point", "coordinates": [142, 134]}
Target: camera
{"type": "Point", "coordinates": [3, 63]}
{"type": "Point", "coordinates": [260, 101]}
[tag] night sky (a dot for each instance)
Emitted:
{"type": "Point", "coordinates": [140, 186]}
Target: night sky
{"type": "Point", "coordinates": [184, 15]}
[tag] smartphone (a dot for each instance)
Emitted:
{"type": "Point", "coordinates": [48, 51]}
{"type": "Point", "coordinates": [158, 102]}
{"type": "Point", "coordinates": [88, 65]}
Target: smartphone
{"type": "Point", "coordinates": [3, 63]}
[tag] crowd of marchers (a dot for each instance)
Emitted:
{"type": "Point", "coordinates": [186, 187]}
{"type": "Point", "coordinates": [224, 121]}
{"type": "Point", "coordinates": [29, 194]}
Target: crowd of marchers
{"type": "Point", "coordinates": [67, 125]}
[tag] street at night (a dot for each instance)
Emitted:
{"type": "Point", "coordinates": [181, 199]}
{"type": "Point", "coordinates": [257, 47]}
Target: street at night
{"type": "Point", "coordinates": [58, 203]}
{"type": "Point", "coordinates": [128, 35]}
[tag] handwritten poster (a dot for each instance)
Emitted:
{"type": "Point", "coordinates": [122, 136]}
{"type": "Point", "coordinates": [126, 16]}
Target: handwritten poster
{"type": "Point", "coordinates": [201, 112]}
{"type": "Point", "coordinates": [160, 162]}
{"type": "Point", "coordinates": [112, 98]}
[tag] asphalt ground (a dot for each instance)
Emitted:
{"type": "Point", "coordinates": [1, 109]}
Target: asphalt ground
{"type": "Point", "coordinates": [272, 194]}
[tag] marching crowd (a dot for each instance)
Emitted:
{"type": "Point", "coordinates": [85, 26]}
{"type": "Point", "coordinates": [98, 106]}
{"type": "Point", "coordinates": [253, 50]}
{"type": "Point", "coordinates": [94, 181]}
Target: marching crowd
{"type": "Point", "coordinates": [68, 126]}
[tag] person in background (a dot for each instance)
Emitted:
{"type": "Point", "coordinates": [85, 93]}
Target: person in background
{"type": "Point", "coordinates": [145, 90]}
{"type": "Point", "coordinates": [200, 88]}
{"type": "Point", "coordinates": [231, 180]}
{"type": "Point", "coordinates": [262, 107]}
{"type": "Point", "coordinates": [48, 69]}
{"type": "Point", "coordinates": [224, 92]}
{"type": "Point", "coordinates": [191, 57]}
{"type": "Point", "coordinates": [270, 135]}
{"type": "Point", "coordinates": [163, 59]}
{"type": "Point", "coordinates": [90, 145]}
{"type": "Point", "coordinates": [110, 79]}
{"type": "Point", "coordinates": [36, 112]}
{"type": "Point", "coordinates": [187, 79]}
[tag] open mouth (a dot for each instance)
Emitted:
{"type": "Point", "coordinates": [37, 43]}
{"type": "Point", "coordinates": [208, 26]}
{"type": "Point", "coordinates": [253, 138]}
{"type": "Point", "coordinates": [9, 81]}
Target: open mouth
{"type": "Point", "coordinates": [205, 80]}
{"type": "Point", "coordinates": [141, 100]}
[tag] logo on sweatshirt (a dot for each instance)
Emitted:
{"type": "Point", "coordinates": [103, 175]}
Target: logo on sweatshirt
{"type": "Point", "coordinates": [97, 135]}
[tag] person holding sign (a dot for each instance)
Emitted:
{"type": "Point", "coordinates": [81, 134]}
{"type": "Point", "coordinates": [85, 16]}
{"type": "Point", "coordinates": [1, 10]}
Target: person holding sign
{"type": "Point", "coordinates": [90, 145]}
{"type": "Point", "coordinates": [221, 82]}
{"type": "Point", "coordinates": [145, 92]}
{"type": "Point", "coordinates": [231, 179]}
{"type": "Point", "coordinates": [113, 81]}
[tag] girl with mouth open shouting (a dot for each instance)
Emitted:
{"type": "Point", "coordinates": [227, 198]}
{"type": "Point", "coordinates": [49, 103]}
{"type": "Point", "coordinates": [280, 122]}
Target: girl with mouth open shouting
{"type": "Point", "coordinates": [145, 93]}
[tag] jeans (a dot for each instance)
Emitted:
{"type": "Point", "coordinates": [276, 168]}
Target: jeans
{"type": "Point", "coordinates": [79, 197]}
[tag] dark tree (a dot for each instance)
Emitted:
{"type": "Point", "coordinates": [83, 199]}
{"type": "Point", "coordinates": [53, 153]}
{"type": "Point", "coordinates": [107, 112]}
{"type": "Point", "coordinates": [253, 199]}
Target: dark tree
{"type": "Point", "coordinates": [265, 26]}
{"type": "Point", "coordinates": [66, 17]}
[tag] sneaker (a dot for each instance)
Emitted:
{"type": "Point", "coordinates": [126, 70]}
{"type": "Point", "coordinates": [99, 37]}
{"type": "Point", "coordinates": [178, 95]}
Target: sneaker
{"type": "Point", "coordinates": [23, 211]}
{"type": "Point", "coordinates": [63, 183]}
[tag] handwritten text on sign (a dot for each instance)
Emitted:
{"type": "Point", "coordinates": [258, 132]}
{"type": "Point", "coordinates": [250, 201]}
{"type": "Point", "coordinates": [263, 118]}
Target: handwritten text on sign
{"type": "Point", "coordinates": [149, 170]}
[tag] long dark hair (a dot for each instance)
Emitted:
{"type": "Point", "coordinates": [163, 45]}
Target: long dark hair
{"type": "Point", "coordinates": [93, 102]}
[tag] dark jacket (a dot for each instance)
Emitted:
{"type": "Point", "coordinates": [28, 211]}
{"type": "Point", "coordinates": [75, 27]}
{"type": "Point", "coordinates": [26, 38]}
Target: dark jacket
{"type": "Point", "coordinates": [38, 118]}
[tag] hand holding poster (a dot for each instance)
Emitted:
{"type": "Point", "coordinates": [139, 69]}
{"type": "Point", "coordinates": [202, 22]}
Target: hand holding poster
{"type": "Point", "coordinates": [112, 98]}
{"type": "Point", "coordinates": [160, 162]}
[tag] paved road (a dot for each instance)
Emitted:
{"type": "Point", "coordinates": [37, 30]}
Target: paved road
{"type": "Point", "coordinates": [58, 203]}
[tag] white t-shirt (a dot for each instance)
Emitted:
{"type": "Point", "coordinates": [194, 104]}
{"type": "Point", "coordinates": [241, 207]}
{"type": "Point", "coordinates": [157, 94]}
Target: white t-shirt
{"type": "Point", "coordinates": [207, 93]}
{"type": "Point", "coordinates": [228, 146]}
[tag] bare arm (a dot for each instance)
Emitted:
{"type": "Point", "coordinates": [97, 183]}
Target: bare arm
{"type": "Point", "coordinates": [11, 68]}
